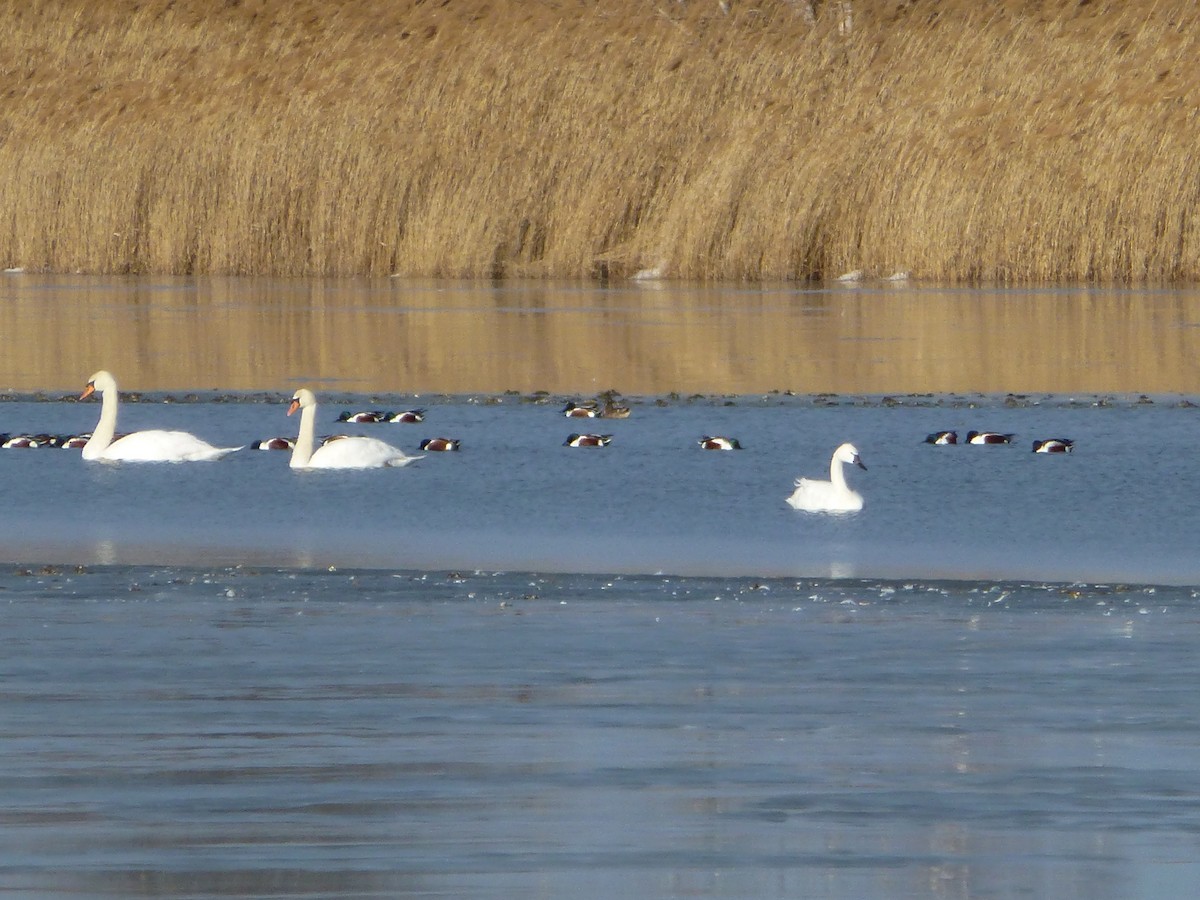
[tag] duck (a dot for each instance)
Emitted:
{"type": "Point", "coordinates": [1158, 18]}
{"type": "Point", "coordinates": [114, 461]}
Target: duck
{"type": "Point", "coordinates": [942, 437]}
{"type": "Point", "coordinates": [139, 446]}
{"type": "Point", "coordinates": [989, 437]}
{"type": "Point", "coordinates": [275, 443]}
{"type": "Point", "coordinates": [350, 452]}
{"type": "Point", "coordinates": [367, 417]}
{"type": "Point", "coordinates": [407, 417]}
{"type": "Point", "coordinates": [611, 410]}
{"type": "Point", "coordinates": [1053, 445]}
{"type": "Point", "coordinates": [574, 410]}
{"type": "Point", "coordinates": [74, 441]}
{"type": "Point", "coordinates": [439, 444]}
{"type": "Point", "coordinates": [833, 495]}
{"type": "Point", "coordinates": [23, 441]}
{"type": "Point", "coordinates": [588, 440]}
{"type": "Point", "coordinates": [716, 442]}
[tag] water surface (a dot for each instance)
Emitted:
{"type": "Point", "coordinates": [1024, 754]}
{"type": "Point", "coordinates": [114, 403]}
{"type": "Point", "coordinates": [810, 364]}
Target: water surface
{"type": "Point", "coordinates": [392, 336]}
{"type": "Point", "coordinates": [175, 732]}
{"type": "Point", "coordinates": [1121, 507]}
{"type": "Point", "coordinates": [525, 670]}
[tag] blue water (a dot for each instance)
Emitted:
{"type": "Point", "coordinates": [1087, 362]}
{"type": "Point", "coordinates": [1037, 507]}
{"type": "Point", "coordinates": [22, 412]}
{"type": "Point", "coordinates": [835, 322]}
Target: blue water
{"type": "Point", "coordinates": [525, 670]}
{"type": "Point", "coordinates": [1120, 507]}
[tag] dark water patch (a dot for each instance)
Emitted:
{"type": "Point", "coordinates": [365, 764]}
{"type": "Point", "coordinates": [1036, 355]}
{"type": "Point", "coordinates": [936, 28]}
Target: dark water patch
{"type": "Point", "coordinates": [526, 591]}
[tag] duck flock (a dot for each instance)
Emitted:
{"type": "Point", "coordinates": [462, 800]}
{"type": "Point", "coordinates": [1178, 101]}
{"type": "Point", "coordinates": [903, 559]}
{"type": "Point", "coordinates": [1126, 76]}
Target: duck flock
{"type": "Point", "coordinates": [343, 451]}
{"type": "Point", "coordinates": [1046, 445]}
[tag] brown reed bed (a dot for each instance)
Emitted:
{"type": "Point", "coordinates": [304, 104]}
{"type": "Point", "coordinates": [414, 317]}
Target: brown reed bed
{"type": "Point", "coordinates": [960, 140]}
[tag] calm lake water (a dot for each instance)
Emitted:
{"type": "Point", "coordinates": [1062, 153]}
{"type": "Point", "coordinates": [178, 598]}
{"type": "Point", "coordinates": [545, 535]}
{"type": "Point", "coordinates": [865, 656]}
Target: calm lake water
{"type": "Point", "coordinates": [394, 336]}
{"type": "Point", "coordinates": [174, 732]}
{"type": "Point", "coordinates": [526, 670]}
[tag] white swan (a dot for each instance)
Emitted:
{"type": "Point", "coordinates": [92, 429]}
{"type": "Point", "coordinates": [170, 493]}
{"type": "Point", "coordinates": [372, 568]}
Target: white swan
{"type": "Point", "coordinates": [141, 446]}
{"type": "Point", "coordinates": [833, 495]}
{"type": "Point", "coordinates": [344, 453]}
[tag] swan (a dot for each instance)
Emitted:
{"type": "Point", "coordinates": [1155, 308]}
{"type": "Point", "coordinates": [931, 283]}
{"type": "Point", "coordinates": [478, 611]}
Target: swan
{"type": "Point", "coordinates": [140, 446]}
{"type": "Point", "coordinates": [351, 452]}
{"type": "Point", "coordinates": [833, 495]}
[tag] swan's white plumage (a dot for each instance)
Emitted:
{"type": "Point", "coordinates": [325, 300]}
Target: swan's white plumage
{"type": "Point", "coordinates": [833, 495]}
{"type": "Point", "coordinates": [141, 446]}
{"type": "Point", "coordinates": [351, 452]}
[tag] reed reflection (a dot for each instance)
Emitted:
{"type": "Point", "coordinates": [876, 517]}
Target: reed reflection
{"type": "Point", "coordinates": [387, 335]}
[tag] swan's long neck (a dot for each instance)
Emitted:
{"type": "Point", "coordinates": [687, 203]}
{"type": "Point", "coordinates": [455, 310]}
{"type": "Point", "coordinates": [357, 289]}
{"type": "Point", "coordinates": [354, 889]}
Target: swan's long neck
{"type": "Point", "coordinates": [106, 428]}
{"type": "Point", "coordinates": [303, 450]}
{"type": "Point", "coordinates": [837, 473]}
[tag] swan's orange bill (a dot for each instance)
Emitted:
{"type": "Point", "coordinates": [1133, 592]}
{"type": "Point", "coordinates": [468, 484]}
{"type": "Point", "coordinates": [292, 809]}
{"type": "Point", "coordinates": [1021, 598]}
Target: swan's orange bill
{"type": "Point", "coordinates": [88, 391]}
{"type": "Point", "coordinates": [295, 405]}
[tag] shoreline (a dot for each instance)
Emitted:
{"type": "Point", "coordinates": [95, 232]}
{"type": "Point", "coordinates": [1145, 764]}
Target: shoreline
{"type": "Point", "coordinates": [776, 398]}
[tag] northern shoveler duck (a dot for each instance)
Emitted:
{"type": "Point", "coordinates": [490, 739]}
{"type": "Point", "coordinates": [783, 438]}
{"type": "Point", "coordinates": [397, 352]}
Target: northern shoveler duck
{"type": "Point", "coordinates": [833, 495]}
{"type": "Point", "coordinates": [34, 441]}
{"type": "Point", "coordinates": [21, 441]}
{"type": "Point", "coordinates": [588, 440]}
{"type": "Point", "coordinates": [74, 441]}
{"type": "Point", "coordinates": [1053, 445]}
{"type": "Point", "coordinates": [439, 444]}
{"type": "Point", "coordinates": [408, 416]}
{"type": "Point", "coordinates": [275, 443]}
{"type": "Point", "coordinates": [988, 437]}
{"type": "Point", "coordinates": [587, 410]}
{"type": "Point", "coordinates": [716, 442]}
{"type": "Point", "coordinates": [942, 437]}
{"type": "Point", "coordinates": [367, 417]}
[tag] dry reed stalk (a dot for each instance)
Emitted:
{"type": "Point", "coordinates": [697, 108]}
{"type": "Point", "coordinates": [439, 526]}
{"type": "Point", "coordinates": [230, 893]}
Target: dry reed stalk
{"type": "Point", "coordinates": [1015, 141]}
